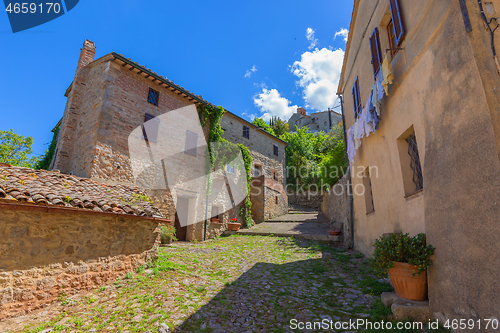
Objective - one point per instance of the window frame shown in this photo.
(153, 135)
(397, 20)
(375, 46)
(155, 93)
(392, 39)
(246, 132)
(276, 150)
(356, 98)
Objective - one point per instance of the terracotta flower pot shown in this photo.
(334, 232)
(215, 220)
(233, 226)
(405, 284)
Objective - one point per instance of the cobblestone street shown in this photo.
(231, 284)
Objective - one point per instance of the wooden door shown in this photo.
(182, 209)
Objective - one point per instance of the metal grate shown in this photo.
(153, 97)
(415, 162)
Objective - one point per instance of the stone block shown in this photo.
(415, 312)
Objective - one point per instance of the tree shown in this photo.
(314, 159)
(260, 123)
(279, 126)
(16, 149)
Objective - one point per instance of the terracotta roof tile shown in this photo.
(54, 188)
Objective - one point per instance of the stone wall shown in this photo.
(306, 199)
(44, 255)
(336, 207)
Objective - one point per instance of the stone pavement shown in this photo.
(307, 225)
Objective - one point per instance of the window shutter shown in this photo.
(150, 128)
(376, 52)
(356, 99)
(191, 143)
(275, 148)
(397, 21)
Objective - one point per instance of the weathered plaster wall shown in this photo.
(43, 255)
(446, 87)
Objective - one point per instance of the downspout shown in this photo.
(330, 118)
(351, 203)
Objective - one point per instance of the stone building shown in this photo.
(316, 122)
(61, 234)
(432, 164)
(111, 98)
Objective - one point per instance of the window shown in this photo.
(275, 175)
(392, 39)
(275, 150)
(150, 127)
(397, 21)
(246, 132)
(411, 169)
(230, 168)
(415, 166)
(314, 120)
(276, 199)
(191, 143)
(367, 183)
(215, 212)
(376, 52)
(153, 97)
(356, 99)
(256, 171)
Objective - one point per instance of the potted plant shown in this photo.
(167, 234)
(234, 225)
(406, 260)
(214, 220)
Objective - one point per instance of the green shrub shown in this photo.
(401, 248)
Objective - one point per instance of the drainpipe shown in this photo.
(330, 118)
(351, 203)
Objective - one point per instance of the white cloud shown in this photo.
(310, 38)
(251, 116)
(271, 103)
(250, 71)
(343, 33)
(319, 72)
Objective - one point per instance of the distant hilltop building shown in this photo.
(319, 121)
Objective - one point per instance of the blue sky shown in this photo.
(255, 58)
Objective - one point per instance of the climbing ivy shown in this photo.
(213, 114)
(44, 162)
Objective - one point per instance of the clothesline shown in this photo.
(368, 120)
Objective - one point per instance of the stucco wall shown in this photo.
(445, 87)
(44, 255)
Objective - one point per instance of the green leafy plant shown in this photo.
(167, 234)
(16, 149)
(213, 115)
(67, 199)
(401, 248)
(46, 160)
(128, 276)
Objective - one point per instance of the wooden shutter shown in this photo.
(191, 143)
(275, 148)
(376, 52)
(356, 99)
(150, 128)
(397, 21)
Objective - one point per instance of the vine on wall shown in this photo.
(213, 114)
(46, 160)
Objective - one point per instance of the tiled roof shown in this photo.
(23, 185)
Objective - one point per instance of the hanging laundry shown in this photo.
(387, 73)
(377, 97)
(351, 151)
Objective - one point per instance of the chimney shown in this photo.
(302, 111)
(87, 54)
